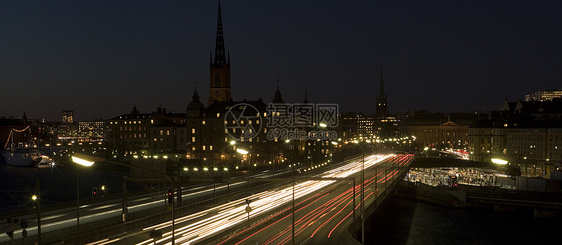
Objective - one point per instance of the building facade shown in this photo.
(522, 132)
(544, 95)
(438, 129)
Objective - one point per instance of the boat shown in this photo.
(20, 155)
(21, 158)
(46, 162)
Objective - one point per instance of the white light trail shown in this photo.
(195, 227)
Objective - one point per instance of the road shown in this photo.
(323, 208)
(325, 216)
(65, 217)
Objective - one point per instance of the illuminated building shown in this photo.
(147, 133)
(438, 129)
(529, 132)
(68, 116)
(544, 95)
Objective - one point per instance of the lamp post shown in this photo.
(37, 199)
(88, 161)
(85, 163)
(245, 152)
(362, 195)
(293, 202)
(360, 143)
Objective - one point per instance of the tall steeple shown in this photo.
(220, 52)
(219, 89)
(381, 107)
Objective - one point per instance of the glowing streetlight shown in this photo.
(82, 162)
(86, 160)
(499, 161)
(242, 151)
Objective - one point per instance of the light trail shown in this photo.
(201, 225)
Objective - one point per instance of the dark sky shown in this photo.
(99, 58)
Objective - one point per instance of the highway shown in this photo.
(323, 208)
(65, 217)
(325, 216)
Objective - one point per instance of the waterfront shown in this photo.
(404, 221)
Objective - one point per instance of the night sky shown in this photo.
(99, 58)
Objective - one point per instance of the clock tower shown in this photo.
(219, 89)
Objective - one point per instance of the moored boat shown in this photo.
(21, 159)
(20, 154)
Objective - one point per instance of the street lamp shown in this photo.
(85, 163)
(245, 152)
(242, 151)
(37, 201)
(86, 160)
(362, 191)
(293, 203)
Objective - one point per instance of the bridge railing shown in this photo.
(371, 204)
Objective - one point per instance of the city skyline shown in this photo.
(99, 59)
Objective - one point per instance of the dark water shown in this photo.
(57, 185)
(410, 222)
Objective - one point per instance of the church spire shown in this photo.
(382, 95)
(381, 107)
(219, 89)
(220, 54)
(277, 98)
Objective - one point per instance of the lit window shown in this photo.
(210, 147)
(204, 147)
(167, 132)
(218, 114)
(192, 139)
(193, 130)
(203, 122)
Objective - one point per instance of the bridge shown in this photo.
(326, 203)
